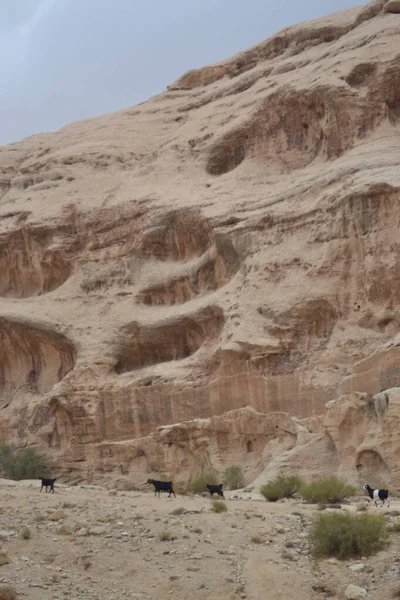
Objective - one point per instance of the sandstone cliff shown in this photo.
(230, 243)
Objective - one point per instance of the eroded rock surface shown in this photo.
(231, 242)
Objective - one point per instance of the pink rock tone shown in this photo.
(186, 284)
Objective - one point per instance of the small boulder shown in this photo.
(353, 592)
(97, 530)
(7, 592)
(64, 529)
(4, 560)
(357, 568)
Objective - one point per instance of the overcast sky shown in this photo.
(64, 60)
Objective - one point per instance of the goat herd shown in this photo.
(166, 486)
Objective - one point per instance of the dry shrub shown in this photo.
(25, 532)
(166, 536)
(283, 486)
(344, 536)
(23, 464)
(234, 478)
(218, 506)
(329, 490)
(198, 485)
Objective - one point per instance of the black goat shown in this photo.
(47, 482)
(215, 489)
(162, 486)
(375, 495)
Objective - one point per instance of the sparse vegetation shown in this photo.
(25, 532)
(329, 490)
(196, 530)
(198, 485)
(23, 464)
(343, 535)
(283, 486)
(86, 562)
(256, 539)
(166, 536)
(394, 527)
(179, 510)
(233, 478)
(218, 506)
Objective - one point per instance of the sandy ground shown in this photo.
(89, 544)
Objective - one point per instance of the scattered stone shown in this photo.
(7, 592)
(82, 532)
(5, 534)
(353, 592)
(97, 530)
(86, 562)
(357, 568)
(4, 560)
(322, 589)
(64, 529)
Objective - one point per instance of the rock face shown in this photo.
(356, 438)
(231, 243)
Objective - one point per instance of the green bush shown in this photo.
(330, 490)
(233, 478)
(198, 485)
(344, 536)
(24, 464)
(218, 506)
(283, 486)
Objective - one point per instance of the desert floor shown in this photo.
(90, 543)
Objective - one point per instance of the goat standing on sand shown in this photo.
(47, 482)
(375, 495)
(215, 489)
(162, 486)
